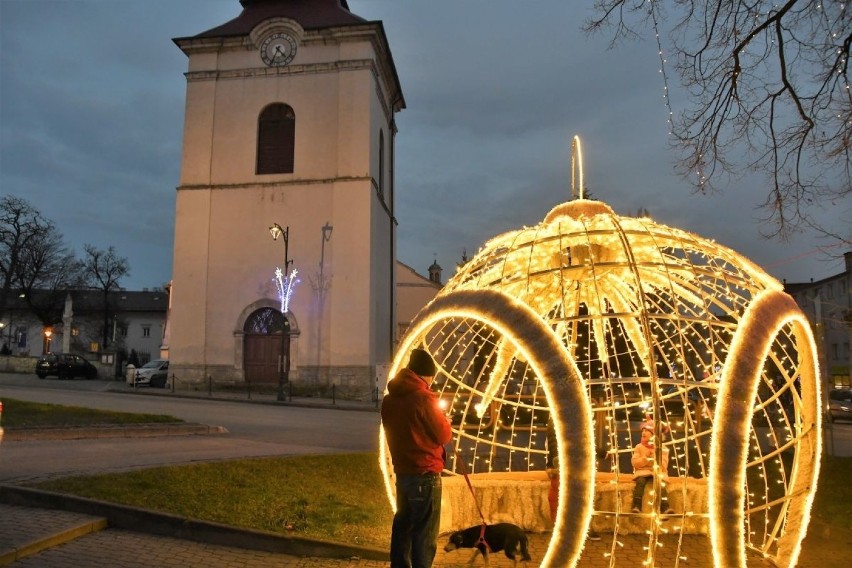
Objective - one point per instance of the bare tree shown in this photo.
(103, 270)
(47, 270)
(21, 226)
(768, 89)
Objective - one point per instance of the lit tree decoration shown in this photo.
(284, 285)
(598, 320)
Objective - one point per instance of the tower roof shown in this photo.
(311, 14)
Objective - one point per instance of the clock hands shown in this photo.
(279, 49)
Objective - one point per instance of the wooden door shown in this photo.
(261, 358)
(266, 347)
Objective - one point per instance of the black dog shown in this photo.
(503, 536)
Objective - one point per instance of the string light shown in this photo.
(595, 320)
(284, 285)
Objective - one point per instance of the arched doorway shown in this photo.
(266, 346)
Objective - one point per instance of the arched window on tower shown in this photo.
(276, 135)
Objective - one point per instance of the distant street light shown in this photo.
(48, 333)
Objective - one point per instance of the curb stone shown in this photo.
(113, 431)
(164, 524)
(7, 557)
(299, 402)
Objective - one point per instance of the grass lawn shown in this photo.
(20, 414)
(336, 497)
(833, 501)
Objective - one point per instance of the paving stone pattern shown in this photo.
(126, 549)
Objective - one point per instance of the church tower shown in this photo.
(289, 132)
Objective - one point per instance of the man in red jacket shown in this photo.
(416, 431)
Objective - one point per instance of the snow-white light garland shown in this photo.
(285, 285)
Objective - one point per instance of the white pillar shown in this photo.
(67, 320)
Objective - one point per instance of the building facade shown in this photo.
(413, 291)
(289, 126)
(828, 305)
(139, 320)
(135, 321)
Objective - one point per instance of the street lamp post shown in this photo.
(48, 333)
(283, 358)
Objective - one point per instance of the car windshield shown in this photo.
(152, 364)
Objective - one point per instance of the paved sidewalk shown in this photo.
(52, 539)
(61, 539)
(26, 531)
(56, 539)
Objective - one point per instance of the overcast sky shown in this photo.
(91, 116)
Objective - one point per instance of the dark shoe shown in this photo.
(669, 511)
(594, 536)
(635, 510)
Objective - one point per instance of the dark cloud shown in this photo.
(92, 102)
(92, 114)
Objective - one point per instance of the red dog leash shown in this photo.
(475, 502)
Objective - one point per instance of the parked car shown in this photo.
(65, 366)
(840, 404)
(153, 373)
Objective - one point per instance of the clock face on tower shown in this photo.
(278, 49)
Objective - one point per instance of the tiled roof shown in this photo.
(140, 301)
(793, 287)
(85, 301)
(311, 14)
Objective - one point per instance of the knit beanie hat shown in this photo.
(420, 363)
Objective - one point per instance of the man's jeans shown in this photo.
(415, 526)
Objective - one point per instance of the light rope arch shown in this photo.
(565, 392)
(768, 313)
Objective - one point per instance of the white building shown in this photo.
(828, 305)
(289, 120)
(413, 291)
(136, 321)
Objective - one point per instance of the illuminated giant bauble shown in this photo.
(601, 323)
